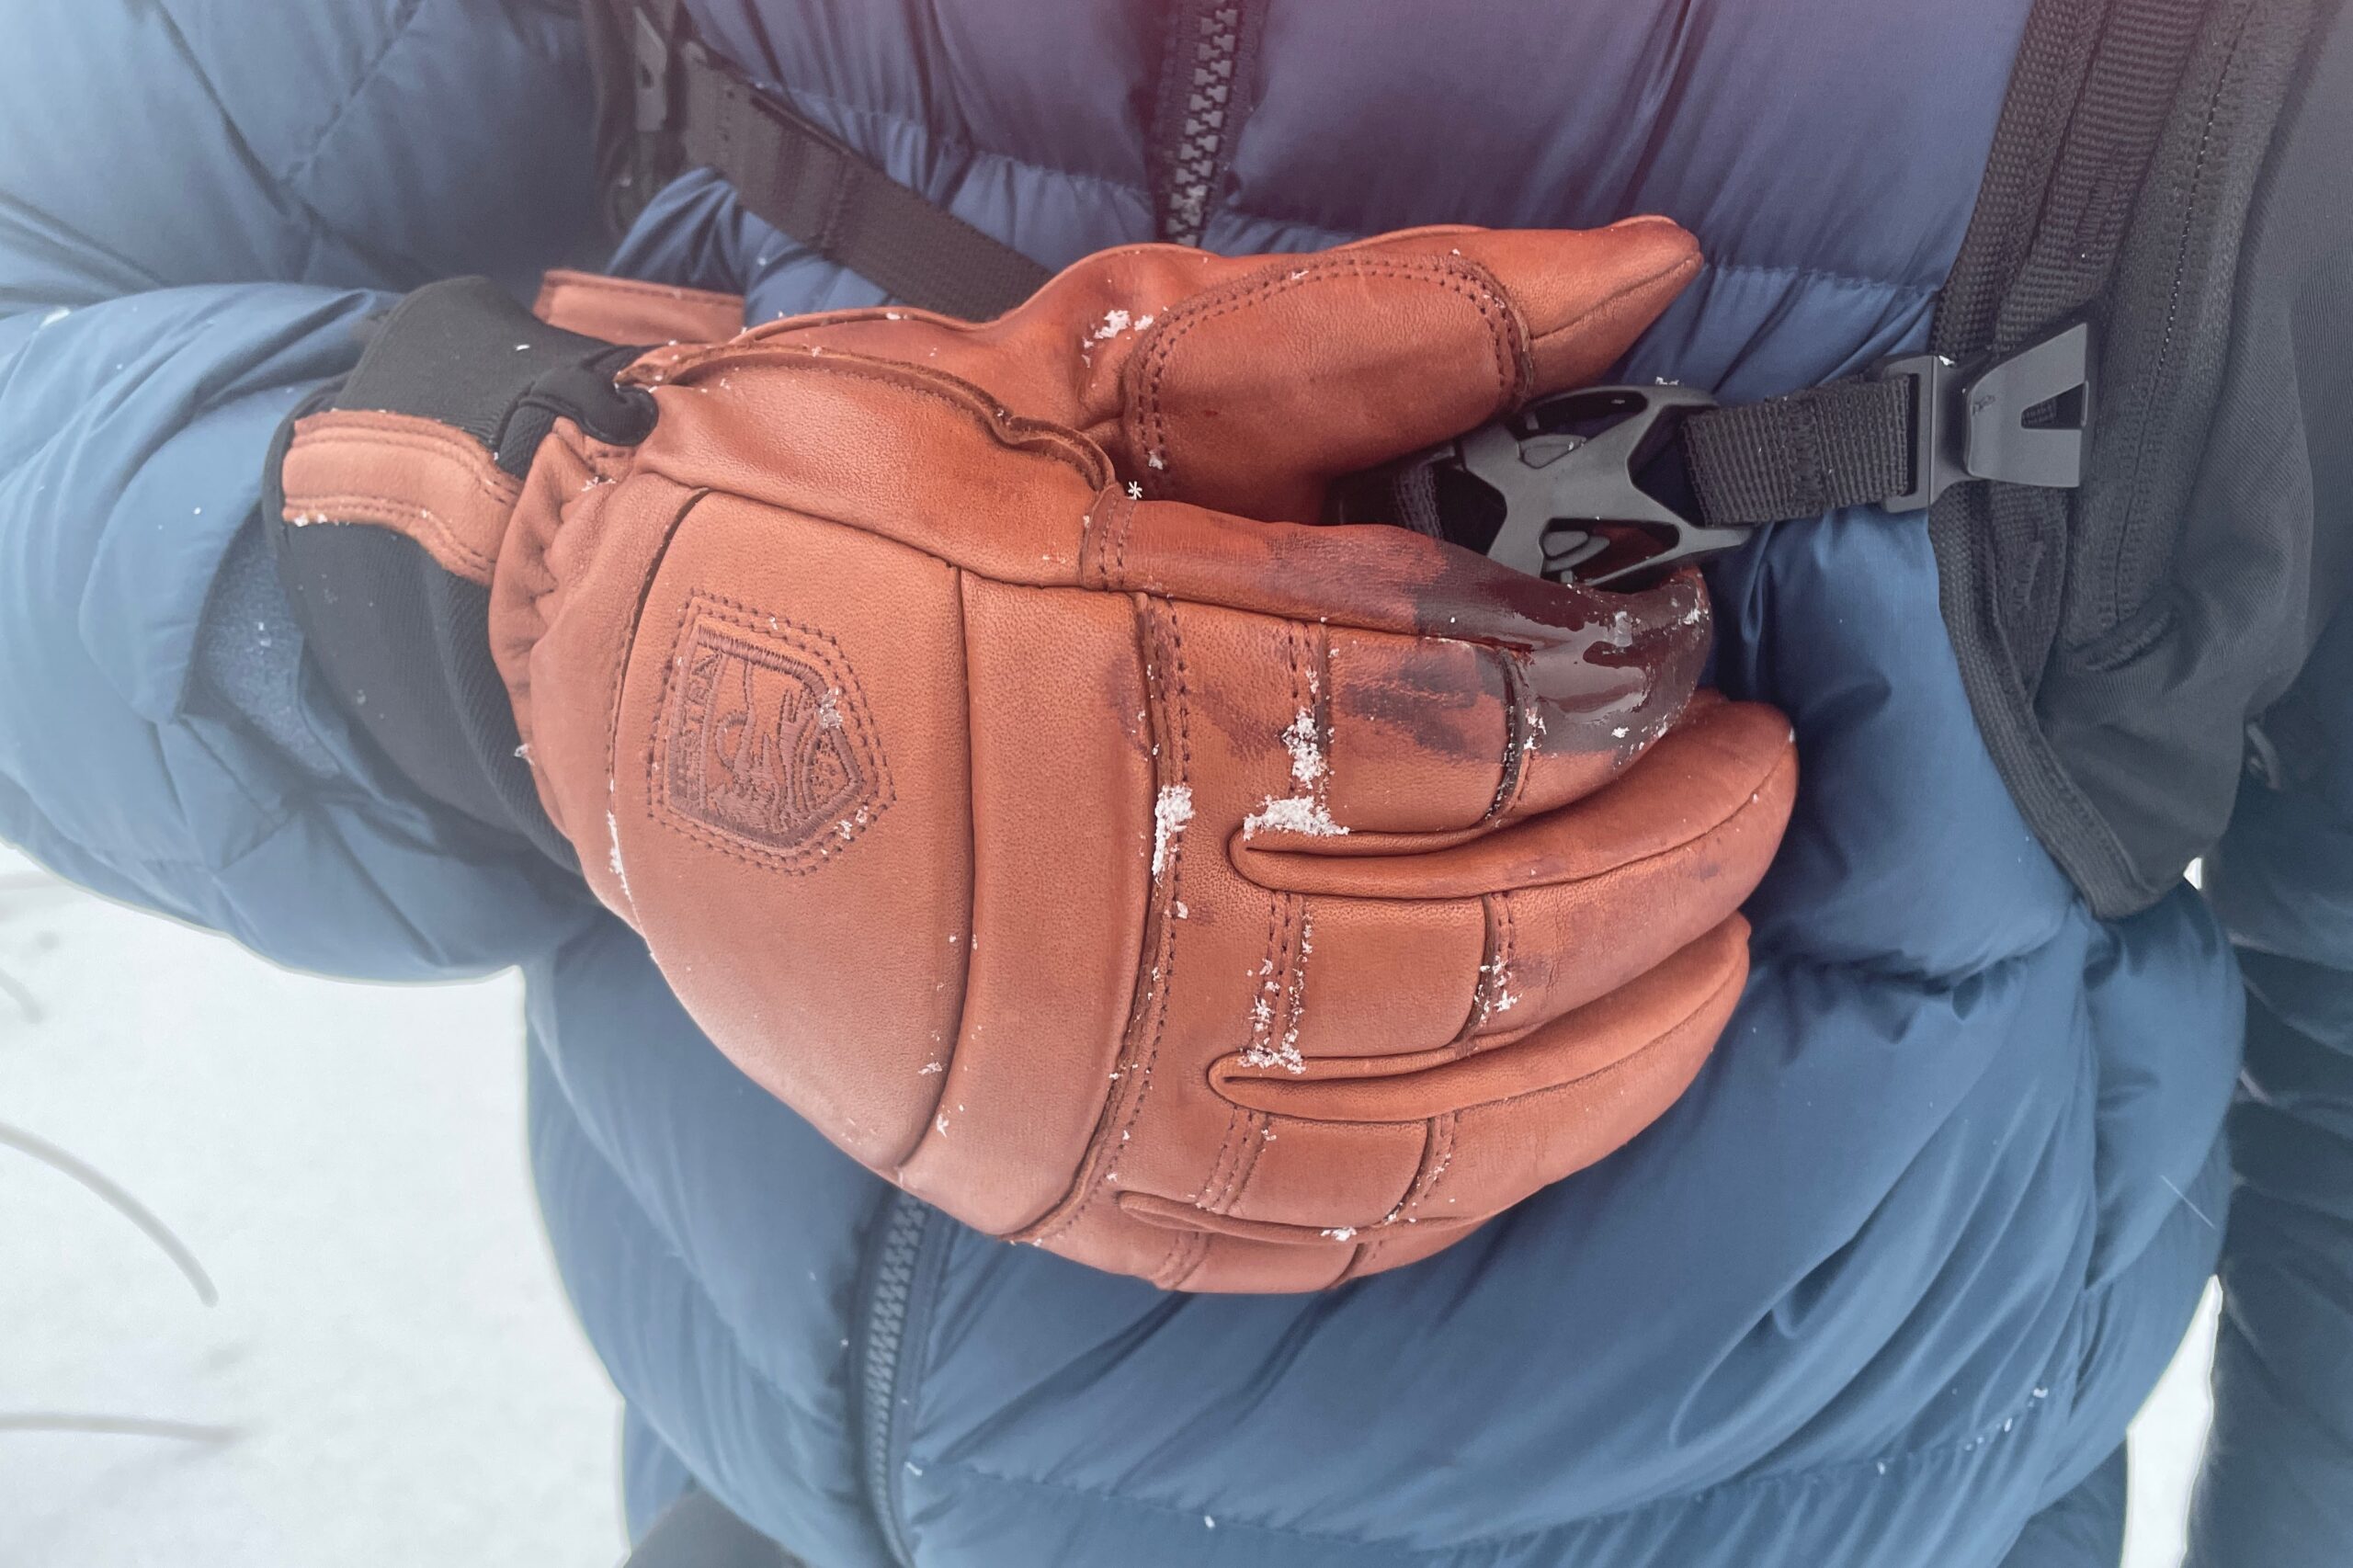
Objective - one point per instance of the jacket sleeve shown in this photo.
(2278, 1485)
(201, 204)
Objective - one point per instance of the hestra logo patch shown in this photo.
(765, 739)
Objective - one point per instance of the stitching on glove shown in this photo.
(364, 508)
(816, 850)
(1278, 981)
(319, 439)
(1520, 731)
(1164, 670)
(1034, 436)
(1442, 1134)
(1148, 426)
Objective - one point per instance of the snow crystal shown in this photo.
(1495, 990)
(1265, 1049)
(1284, 1055)
(1306, 749)
(1341, 1233)
(1117, 322)
(1300, 815)
(1135, 491)
(620, 873)
(1170, 813)
(829, 713)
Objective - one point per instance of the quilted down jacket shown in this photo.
(1883, 1289)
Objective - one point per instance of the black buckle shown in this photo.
(1979, 420)
(1564, 469)
(1568, 462)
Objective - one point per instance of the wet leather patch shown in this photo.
(765, 747)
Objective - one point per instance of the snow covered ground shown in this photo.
(397, 1376)
(390, 1376)
(2166, 1441)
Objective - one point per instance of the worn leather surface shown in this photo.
(424, 478)
(1003, 777)
(625, 310)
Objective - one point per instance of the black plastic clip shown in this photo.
(1568, 462)
(2019, 418)
(1576, 486)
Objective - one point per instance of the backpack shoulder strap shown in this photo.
(2097, 658)
(667, 104)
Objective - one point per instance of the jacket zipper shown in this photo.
(1200, 110)
(893, 1265)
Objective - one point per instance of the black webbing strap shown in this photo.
(692, 108)
(1845, 444)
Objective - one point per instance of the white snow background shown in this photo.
(390, 1376)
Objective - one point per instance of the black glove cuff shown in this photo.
(404, 644)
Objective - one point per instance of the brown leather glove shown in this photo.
(1240, 905)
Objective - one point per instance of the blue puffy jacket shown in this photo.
(1882, 1289)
